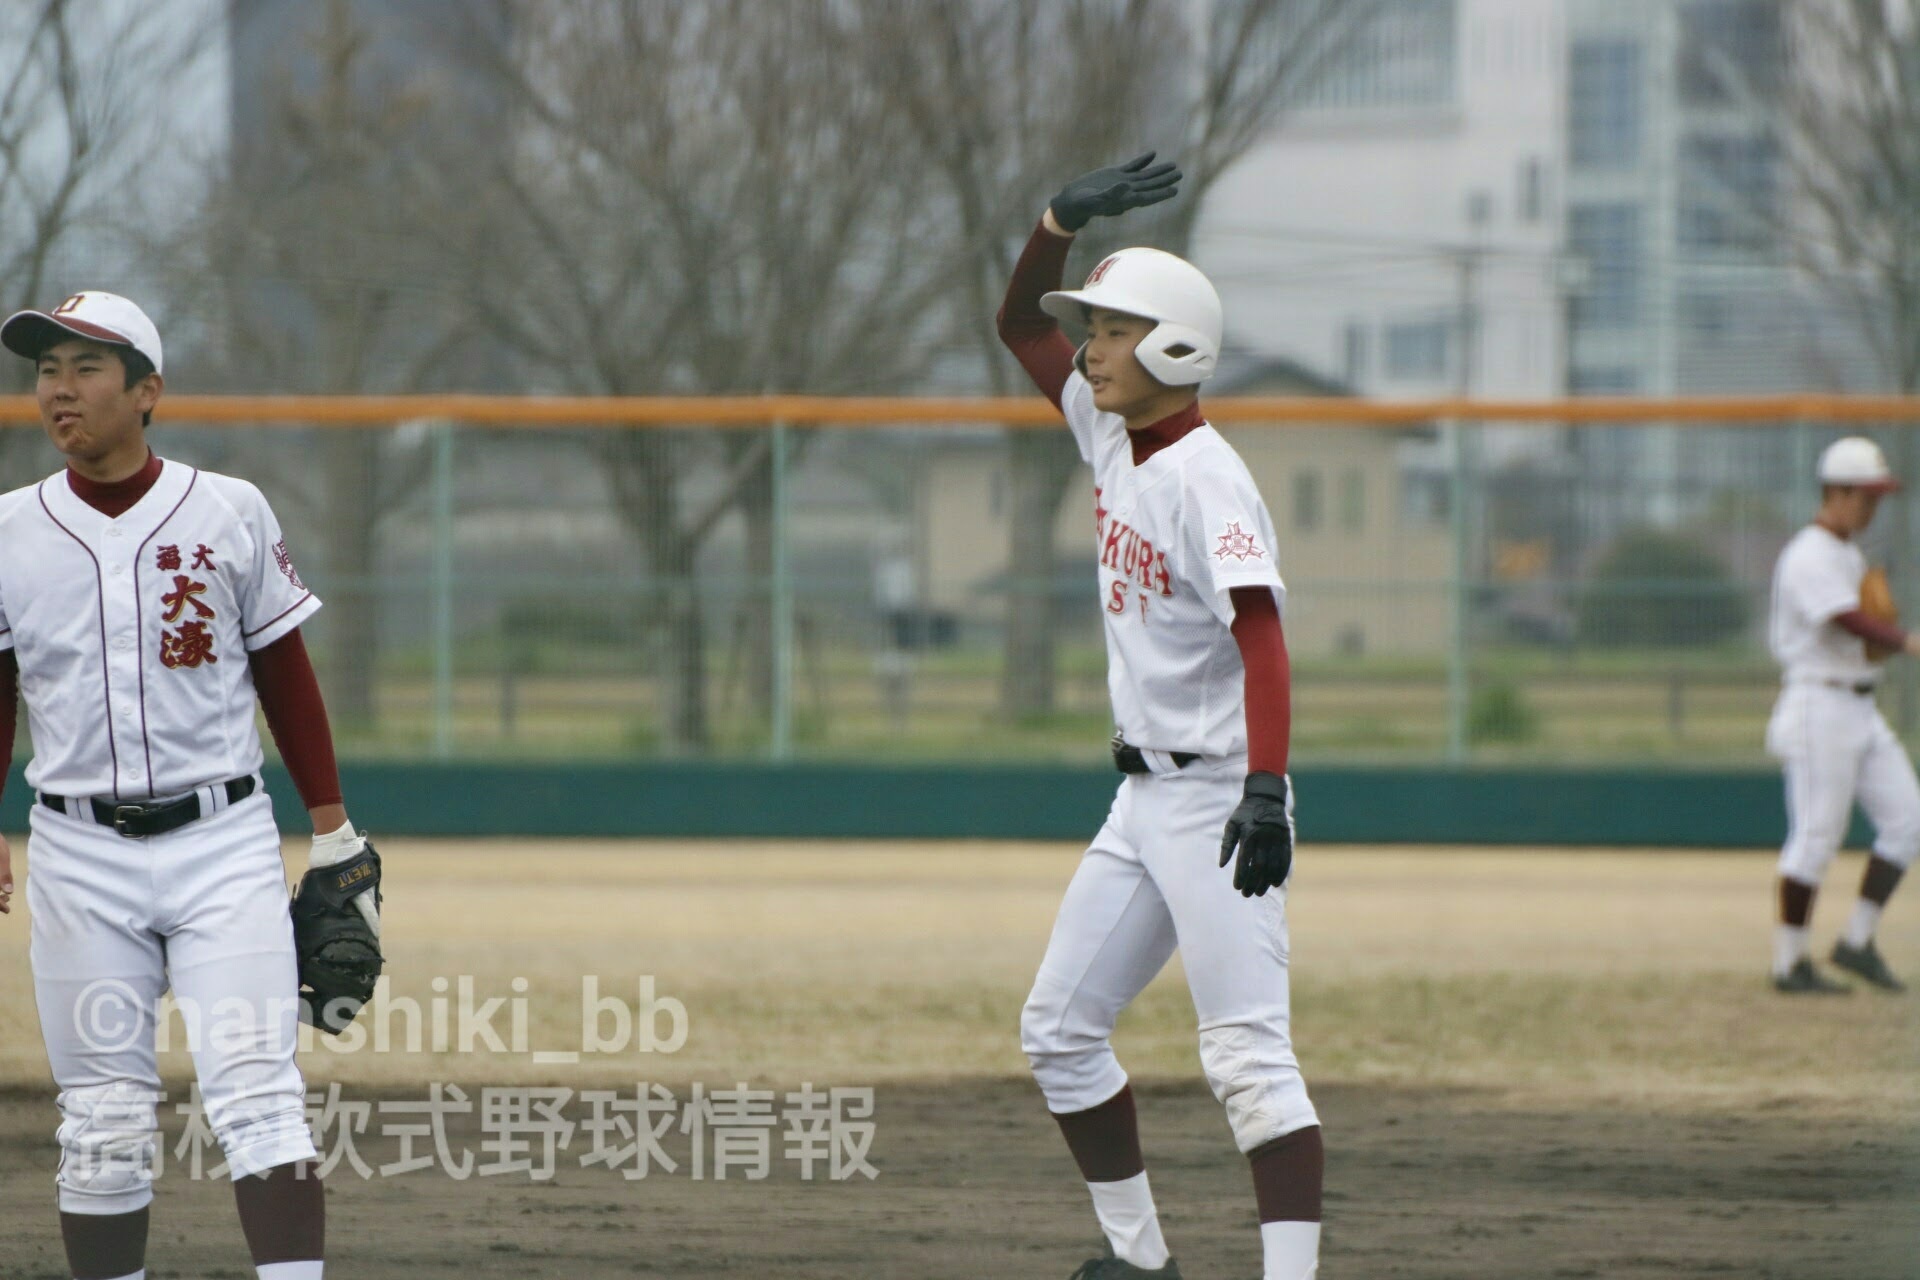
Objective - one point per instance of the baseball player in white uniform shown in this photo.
(1827, 731)
(1197, 670)
(144, 606)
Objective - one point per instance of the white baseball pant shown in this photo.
(1149, 882)
(1834, 745)
(115, 922)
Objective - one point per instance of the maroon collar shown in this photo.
(115, 499)
(1154, 437)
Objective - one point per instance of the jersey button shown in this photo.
(123, 644)
(113, 531)
(117, 570)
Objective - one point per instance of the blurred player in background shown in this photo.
(144, 607)
(1826, 729)
(1197, 670)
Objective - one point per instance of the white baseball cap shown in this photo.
(92, 314)
(1857, 462)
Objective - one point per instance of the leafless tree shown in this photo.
(703, 200)
(1841, 100)
(1849, 140)
(324, 259)
(78, 116)
(1009, 99)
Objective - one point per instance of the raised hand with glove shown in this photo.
(1105, 193)
(1261, 831)
(336, 928)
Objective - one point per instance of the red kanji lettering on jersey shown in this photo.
(203, 558)
(1099, 513)
(1110, 545)
(1237, 543)
(167, 557)
(190, 646)
(285, 561)
(185, 592)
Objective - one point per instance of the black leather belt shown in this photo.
(153, 817)
(1864, 688)
(1129, 759)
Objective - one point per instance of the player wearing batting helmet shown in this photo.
(1197, 671)
(145, 607)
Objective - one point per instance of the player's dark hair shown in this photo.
(137, 369)
(137, 365)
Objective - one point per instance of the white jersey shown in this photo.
(1175, 534)
(1816, 579)
(132, 634)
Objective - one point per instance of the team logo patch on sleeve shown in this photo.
(285, 561)
(1237, 543)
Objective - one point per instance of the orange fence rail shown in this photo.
(520, 412)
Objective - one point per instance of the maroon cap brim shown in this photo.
(28, 333)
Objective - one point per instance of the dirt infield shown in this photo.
(974, 1182)
(1529, 1065)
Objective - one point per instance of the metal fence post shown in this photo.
(441, 589)
(1458, 692)
(781, 612)
(1805, 486)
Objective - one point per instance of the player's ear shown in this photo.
(146, 392)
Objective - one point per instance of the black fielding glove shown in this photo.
(337, 945)
(1262, 828)
(1114, 190)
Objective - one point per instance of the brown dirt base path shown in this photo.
(974, 1183)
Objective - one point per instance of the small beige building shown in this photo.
(1363, 538)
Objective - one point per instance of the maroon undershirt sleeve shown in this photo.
(9, 710)
(290, 695)
(1263, 651)
(1031, 334)
(1872, 630)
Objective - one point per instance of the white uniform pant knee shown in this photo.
(1254, 1074)
(1113, 935)
(107, 1144)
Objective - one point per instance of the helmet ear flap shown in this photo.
(1177, 355)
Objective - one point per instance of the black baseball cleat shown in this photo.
(1805, 980)
(1865, 962)
(1108, 1267)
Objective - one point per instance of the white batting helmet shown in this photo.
(1184, 344)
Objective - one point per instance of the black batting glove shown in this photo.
(1106, 192)
(1262, 829)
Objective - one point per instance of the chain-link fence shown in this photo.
(1579, 593)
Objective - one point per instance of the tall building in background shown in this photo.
(1673, 191)
(1399, 230)
(1536, 198)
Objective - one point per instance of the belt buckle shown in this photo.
(124, 813)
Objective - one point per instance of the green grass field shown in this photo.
(1589, 710)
